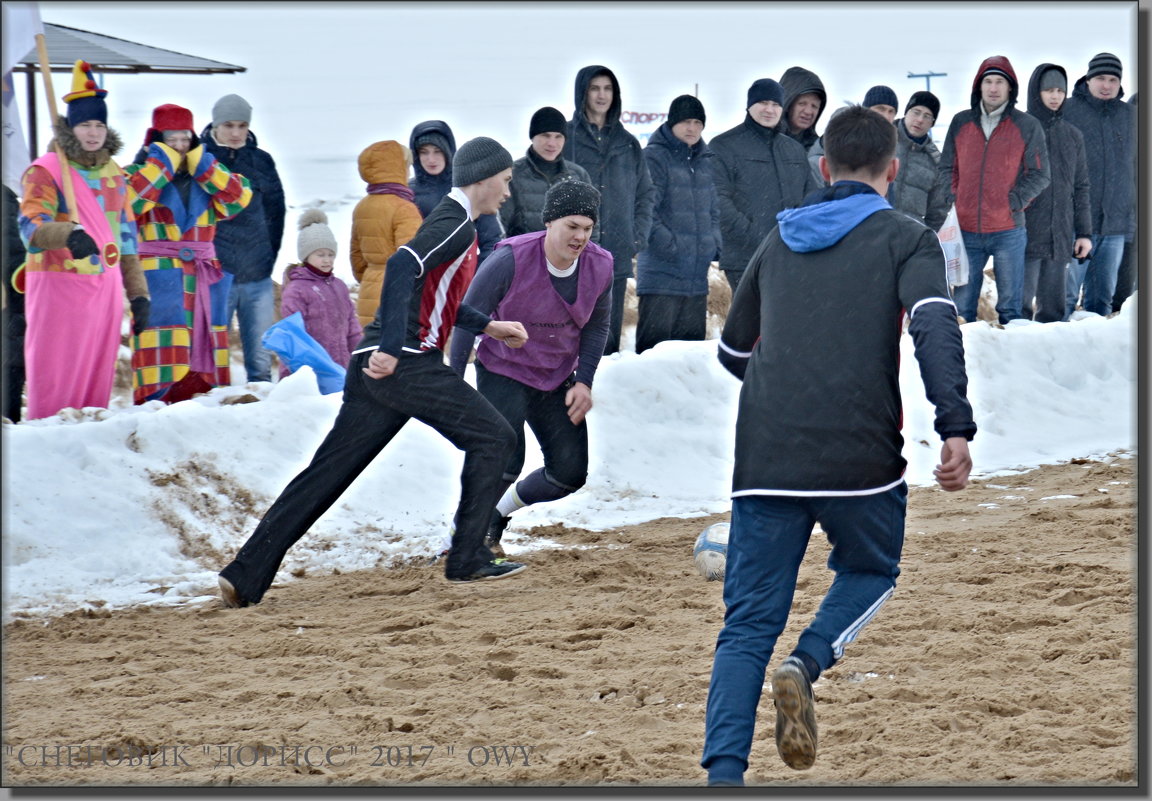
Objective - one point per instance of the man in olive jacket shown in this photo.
(615, 163)
(759, 172)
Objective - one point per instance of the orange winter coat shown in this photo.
(380, 223)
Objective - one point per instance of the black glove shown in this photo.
(141, 309)
(80, 244)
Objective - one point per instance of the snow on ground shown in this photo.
(136, 505)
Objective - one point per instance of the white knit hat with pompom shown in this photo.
(314, 234)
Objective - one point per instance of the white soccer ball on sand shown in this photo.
(710, 554)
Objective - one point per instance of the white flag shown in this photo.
(21, 24)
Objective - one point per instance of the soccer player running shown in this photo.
(814, 334)
(398, 373)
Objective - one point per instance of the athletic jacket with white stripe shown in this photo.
(814, 332)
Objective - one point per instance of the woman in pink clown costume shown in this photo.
(179, 192)
(75, 276)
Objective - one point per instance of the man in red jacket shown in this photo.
(995, 162)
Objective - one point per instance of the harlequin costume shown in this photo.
(185, 349)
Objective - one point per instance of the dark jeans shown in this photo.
(1125, 276)
(1045, 280)
(664, 317)
(372, 413)
(766, 544)
(13, 325)
(622, 271)
(564, 445)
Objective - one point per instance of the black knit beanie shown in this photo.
(925, 99)
(570, 197)
(478, 159)
(434, 138)
(880, 96)
(765, 89)
(685, 107)
(547, 120)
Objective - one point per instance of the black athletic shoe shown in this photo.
(795, 715)
(496, 569)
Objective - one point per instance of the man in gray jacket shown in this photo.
(917, 190)
(759, 173)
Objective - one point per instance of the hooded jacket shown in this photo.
(798, 81)
(380, 223)
(685, 234)
(431, 189)
(917, 189)
(759, 172)
(1063, 211)
(814, 332)
(325, 305)
(616, 166)
(248, 244)
(1109, 129)
(993, 179)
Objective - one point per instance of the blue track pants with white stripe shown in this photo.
(766, 544)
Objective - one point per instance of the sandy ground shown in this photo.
(1006, 658)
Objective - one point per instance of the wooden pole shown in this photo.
(50, 99)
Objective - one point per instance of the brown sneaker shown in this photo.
(795, 715)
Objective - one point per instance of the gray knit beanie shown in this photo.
(1053, 78)
(314, 234)
(231, 108)
(566, 198)
(478, 159)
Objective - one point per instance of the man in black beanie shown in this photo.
(672, 272)
(1108, 124)
(541, 167)
(917, 189)
(559, 285)
(759, 173)
(398, 373)
(882, 100)
(599, 143)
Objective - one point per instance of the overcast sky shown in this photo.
(328, 79)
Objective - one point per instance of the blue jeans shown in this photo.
(766, 544)
(1097, 276)
(1006, 249)
(253, 304)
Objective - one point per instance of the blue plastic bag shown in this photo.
(295, 346)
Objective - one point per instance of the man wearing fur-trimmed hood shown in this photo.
(74, 272)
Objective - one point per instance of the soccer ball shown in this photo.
(710, 554)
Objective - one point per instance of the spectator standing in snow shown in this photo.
(433, 147)
(598, 142)
(13, 312)
(382, 221)
(1108, 124)
(1059, 220)
(179, 193)
(917, 189)
(532, 175)
(398, 373)
(759, 172)
(559, 285)
(1126, 275)
(804, 456)
(321, 298)
(672, 272)
(75, 277)
(995, 162)
(804, 103)
(248, 243)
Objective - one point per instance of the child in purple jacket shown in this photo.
(321, 298)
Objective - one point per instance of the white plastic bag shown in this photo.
(955, 256)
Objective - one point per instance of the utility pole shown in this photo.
(927, 76)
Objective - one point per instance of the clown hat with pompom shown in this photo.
(86, 100)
